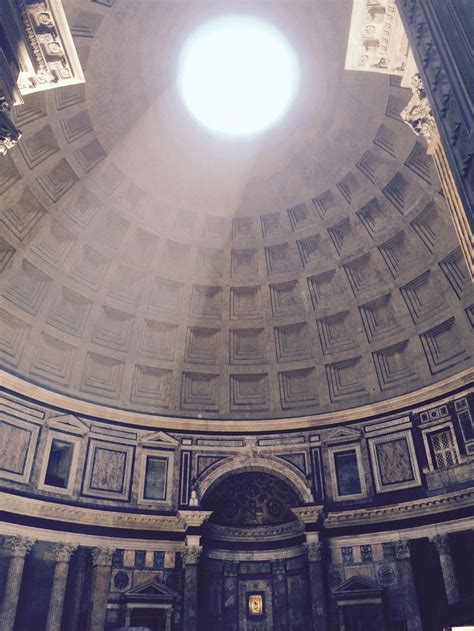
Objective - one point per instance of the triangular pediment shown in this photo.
(358, 586)
(343, 434)
(68, 423)
(159, 439)
(152, 589)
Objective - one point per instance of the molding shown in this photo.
(44, 27)
(386, 438)
(278, 532)
(144, 454)
(92, 517)
(76, 406)
(434, 426)
(425, 507)
(332, 451)
(255, 555)
(246, 461)
(75, 441)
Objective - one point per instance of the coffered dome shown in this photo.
(151, 265)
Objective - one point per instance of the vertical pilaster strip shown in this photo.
(18, 547)
(101, 572)
(443, 548)
(231, 614)
(410, 603)
(280, 596)
(62, 553)
(77, 588)
(191, 555)
(314, 548)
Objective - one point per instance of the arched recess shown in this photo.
(240, 464)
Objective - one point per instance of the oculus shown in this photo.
(237, 75)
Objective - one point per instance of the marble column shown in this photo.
(79, 568)
(101, 572)
(231, 614)
(443, 548)
(191, 555)
(316, 582)
(62, 554)
(280, 596)
(407, 581)
(18, 548)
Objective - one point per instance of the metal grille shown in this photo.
(444, 452)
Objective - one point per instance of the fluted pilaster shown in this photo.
(62, 553)
(18, 548)
(442, 544)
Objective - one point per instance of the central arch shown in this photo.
(241, 463)
(253, 571)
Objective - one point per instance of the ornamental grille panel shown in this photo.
(443, 449)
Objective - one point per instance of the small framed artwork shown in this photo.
(255, 605)
(394, 462)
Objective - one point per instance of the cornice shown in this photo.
(258, 533)
(88, 517)
(76, 406)
(408, 510)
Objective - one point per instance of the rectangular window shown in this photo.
(155, 478)
(467, 426)
(59, 463)
(347, 473)
(443, 450)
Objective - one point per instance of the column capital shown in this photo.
(231, 568)
(191, 554)
(315, 550)
(18, 546)
(278, 566)
(442, 543)
(63, 551)
(102, 556)
(402, 549)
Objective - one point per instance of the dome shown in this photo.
(153, 266)
(236, 368)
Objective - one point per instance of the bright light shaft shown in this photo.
(238, 75)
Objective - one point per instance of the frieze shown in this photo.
(377, 39)
(49, 58)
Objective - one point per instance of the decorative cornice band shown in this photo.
(76, 406)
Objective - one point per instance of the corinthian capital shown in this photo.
(442, 544)
(63, 552)
(314, 550)
(18, 546)
(191, 555)
(402, 549)
(102, 556)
